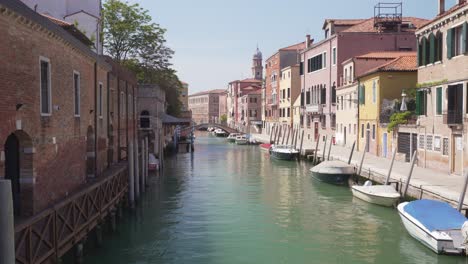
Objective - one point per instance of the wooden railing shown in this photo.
(50, 234)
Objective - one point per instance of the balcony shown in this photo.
(453, 117)
(317, 108)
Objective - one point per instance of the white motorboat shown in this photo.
(334, 172)
(283, 152)
(384, 195)
(435, 224)
(210, 129)
(232, 137)
(242, 140)
(220, 133)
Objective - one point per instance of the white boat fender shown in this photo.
(368, 183)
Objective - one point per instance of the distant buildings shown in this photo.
(205, 106)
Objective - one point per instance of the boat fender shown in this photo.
(368, 183)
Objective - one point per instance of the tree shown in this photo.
(223, 119)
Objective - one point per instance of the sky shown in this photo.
(214, 40)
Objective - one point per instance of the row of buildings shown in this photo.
(69, 114)
(386, 82)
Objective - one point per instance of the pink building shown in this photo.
(235, 90)
(320, 67)
(250, 109)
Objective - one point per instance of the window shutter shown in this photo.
(419, 54)
(432, 48)
(449, 43)
(439, 101)
(418, 103)
(424, 48)
(464, 29)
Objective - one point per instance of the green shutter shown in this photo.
(449, 43)
(432, 48)
(418, 103)
(424, 48)
(419, 54)
(439, 101)
(464, 29)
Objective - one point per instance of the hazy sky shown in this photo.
(214, 40)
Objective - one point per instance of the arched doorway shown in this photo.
(12, 170)
(90, 153)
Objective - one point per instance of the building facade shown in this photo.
(205, 106)
(290, 89)
(250, 110)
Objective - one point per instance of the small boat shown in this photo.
(384, 195)
(210, 129)
(265, 147)
(242, 140)
(435, 224)
(333, 172)
(220, 133)
(283, 152)
(232, 137)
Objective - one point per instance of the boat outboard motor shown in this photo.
(368, 183)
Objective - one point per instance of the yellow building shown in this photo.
(378, 88)
(290, 89)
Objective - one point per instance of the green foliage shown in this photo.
(398, 119)
(430, 84)
(223, 118)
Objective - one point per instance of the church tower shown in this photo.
(257, 67)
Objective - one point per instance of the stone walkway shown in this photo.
(425, 183)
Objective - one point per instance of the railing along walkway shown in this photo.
(51, 233)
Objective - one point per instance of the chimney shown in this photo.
(441, 6)
(307, 41)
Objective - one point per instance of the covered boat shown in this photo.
(333, 172)
(384, 195)
(435, 224)
(283, 152)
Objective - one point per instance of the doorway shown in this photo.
(457, 150)
(12, 170)
(316, 131)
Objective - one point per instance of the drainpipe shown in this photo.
(95, 117)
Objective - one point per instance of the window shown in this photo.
(445, 147)
(437, 143)
(373, 132)
(46, 106)
(334, 55)
(421, 140)
(289, 112)
(325, 59)
(362, 94)
(421, 102)
(439, 101)
(456, 40)
(354, 129)
(374, 91)
(429, 142)
(76, 93)
(362, 130)
(301, 68)
(308, 97)
(289, 93)
(100, 100)
(323, 95)
(315, 63)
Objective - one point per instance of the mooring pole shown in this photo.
(131, 177)
(302, 141)
(362, 160)
(316, 149)
(7, 228)
(329, 148)
(271, 134)
(324, 147)
(391, 167)
(287, 139)
(283, 136)
(279, 135)
(462, 194)
(413, 161)
(147, 161)
(136, 170)
(351, 154)
(297, 135)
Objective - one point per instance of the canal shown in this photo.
(232, 204)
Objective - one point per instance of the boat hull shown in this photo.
(283, 156)
(265, 147)
(232, 140)
(374, 199)
(417, 231)
(336, 179)
(241, 142)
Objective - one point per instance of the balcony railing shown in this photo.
(453, 117)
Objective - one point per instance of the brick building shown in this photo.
(64, 112)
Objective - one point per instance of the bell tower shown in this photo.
(257, 67)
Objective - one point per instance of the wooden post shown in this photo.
(362, 160)
(131, 178)
(271, 134)
(278, 134)
(302, 141)
(7, 229)
(413, 161)
(329, 148)
(391, 167)
(283, 136)
(295, 138)
(287, 139)
(324, 147)
(462, 194)
(351, 154)
(316, 149)
(137, 175)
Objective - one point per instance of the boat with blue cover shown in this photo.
(436, 224)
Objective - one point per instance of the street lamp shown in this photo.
(403, 107)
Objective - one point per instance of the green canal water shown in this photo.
(232, 204)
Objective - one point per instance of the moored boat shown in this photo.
(220, 133)
(333, 172)
(242, 140)
(283, 152)
(232, 137)
(384, 195)
(435, 224)
(265, 147)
